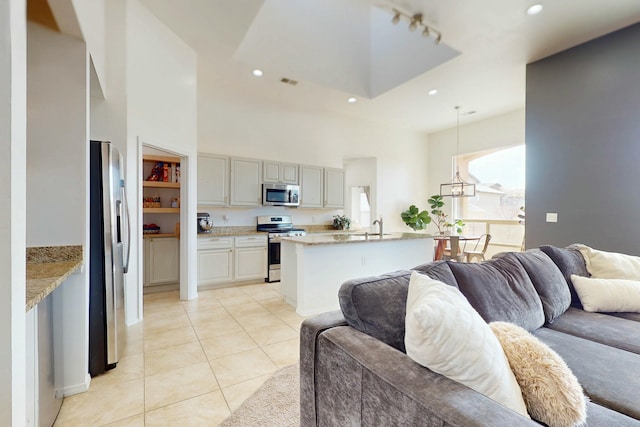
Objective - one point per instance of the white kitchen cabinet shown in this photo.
(162, 261)
(333, 188)
(246, 182)
(215, 260)
(213, 180)
(284, 173)
(250, 258)
(311, 178)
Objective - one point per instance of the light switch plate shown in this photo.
(552, 217)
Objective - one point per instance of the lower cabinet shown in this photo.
(162, 261)
(251, 263)
(229, 259)
(214, 266)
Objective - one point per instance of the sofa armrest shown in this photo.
(309, 331)
(359, 380)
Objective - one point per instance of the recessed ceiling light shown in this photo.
(257, 73)
(351, 100)
(535, 9)
(433, 91)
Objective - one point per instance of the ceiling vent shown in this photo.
(289, 81)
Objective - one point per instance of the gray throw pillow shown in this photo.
(548, 281)
(500, 290)
(569, 261)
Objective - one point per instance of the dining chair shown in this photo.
(482, 242)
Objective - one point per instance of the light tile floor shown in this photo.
(190, 363)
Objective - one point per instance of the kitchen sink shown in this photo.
(370, 234)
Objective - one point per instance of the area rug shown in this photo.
(275, 403)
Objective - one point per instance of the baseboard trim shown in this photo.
(74, 389)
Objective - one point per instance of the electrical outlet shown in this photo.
(552, 217)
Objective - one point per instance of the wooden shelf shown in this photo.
(148, 236)
(160, 184)
(161, 210)
(152, 158)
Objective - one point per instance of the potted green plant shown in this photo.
(341, 222)
(416, 219)
(439, 217)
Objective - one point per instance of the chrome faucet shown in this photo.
(379, 222)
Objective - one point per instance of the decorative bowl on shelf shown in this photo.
(150, 229)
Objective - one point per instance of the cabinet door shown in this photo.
(251, 263)
(214, 266)
(246, 176)
(310, 187)
(164, 261)
(213, 180)
(334, 188)
(289, 173)
(271, 172)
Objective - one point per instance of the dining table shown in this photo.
(454, 243)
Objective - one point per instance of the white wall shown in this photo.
(57, 176)
(506, 130)
(91, 18)
(240, 124)
(12, 211)
(151, 99)
(162, 112)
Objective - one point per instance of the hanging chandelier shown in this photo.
(457, 187)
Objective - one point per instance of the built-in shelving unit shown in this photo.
(161, 180)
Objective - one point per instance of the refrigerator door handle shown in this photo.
(125, 266)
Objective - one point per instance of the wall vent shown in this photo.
(289, 81)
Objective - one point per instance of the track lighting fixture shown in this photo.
(415, 22)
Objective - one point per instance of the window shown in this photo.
(499, 176)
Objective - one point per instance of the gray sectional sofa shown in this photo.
(354, 370)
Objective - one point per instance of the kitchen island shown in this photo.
(314, 267)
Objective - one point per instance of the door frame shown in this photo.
(188, 203)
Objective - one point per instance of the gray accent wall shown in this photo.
(583, 145)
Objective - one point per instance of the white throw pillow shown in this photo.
(445, 334)
(607, 295)
(610, 265)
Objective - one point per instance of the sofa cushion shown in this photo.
(551, 392)
(500, 290)
(603, 328)
(607, 375)
(610, 265)
(445, 334)
(607, 295)
(569, 261)
(438, 270)
(377, 305)
(548, 281)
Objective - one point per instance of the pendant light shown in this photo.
(457, 187)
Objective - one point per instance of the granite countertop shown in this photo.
(251, 230)
(47, 268)
(359, 237)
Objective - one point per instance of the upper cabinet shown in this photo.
(213, 180)
(333, 188)
(311, 187)
(285, 173)
(246, 182)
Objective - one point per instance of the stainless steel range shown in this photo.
(277, 227)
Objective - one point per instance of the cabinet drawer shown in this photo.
(215, 242)
(251, 241)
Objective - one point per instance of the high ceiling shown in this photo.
(336, 49)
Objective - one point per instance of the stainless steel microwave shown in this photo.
(280, 195)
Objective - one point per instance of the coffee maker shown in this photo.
(205, 224)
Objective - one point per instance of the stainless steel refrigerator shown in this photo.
(110, 237)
